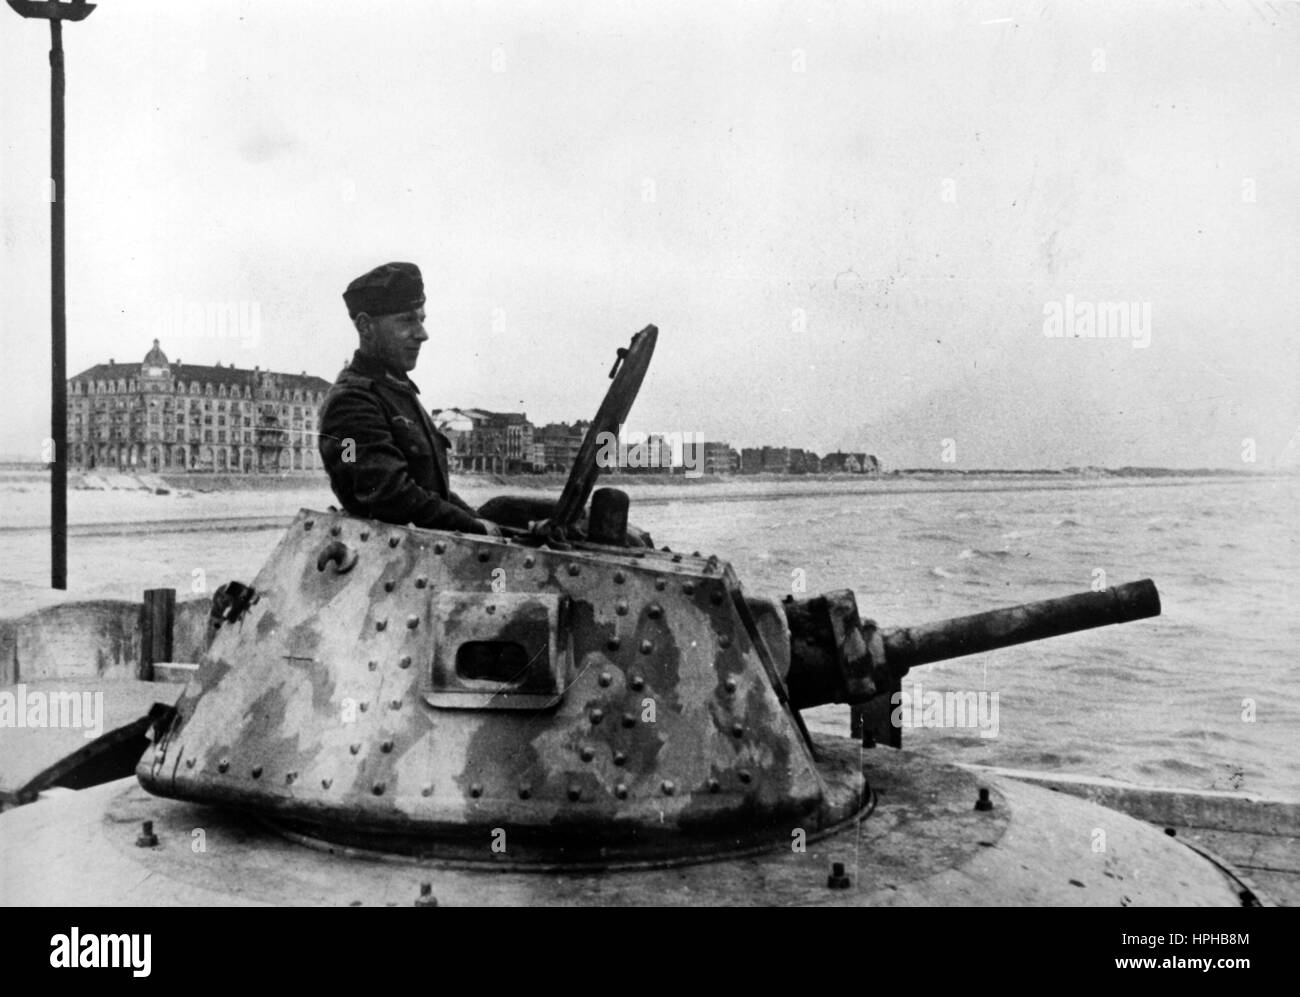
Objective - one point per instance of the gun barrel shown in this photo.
(906, 647)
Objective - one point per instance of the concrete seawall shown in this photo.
(98, 638)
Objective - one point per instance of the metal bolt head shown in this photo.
(389, 586)
(688, 588)
(597, 715)
(525, 792)
(146, 838)
(421, 582)
(729, 685)
(660, 584)
(257, 772)
(629, 720)
(223, 765)
(393, 541)
(714, 785)
(378, 789)
(365, 534)
(605, 680)
(613, 643)
(647, 646)
(621, 791)
(837, 880)
(412, 622)
(476, 790)
(484, 555)
(984, 803)
(737, 730)
(620, 758)
(620, 608)
(724, 641)
(586, 753)
(529, 561)
(381, 624)
(668, 787)
(636, 682)
(575, 794)
(573, 570)
(619, 577)
(654, 611)
(405, 661)
(426, 897)
(439, 547)
(386, 747)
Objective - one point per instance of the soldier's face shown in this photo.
(393, 339)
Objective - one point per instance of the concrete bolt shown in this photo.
(426, 897)
(837, 880)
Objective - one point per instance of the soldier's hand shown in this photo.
(490, 528)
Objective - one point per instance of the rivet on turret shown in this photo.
(386, 747)
(716, 597)
(605, 679)
(381, 624)
(378, 789)
(660, 584)
(289, 777)
(372, 665)
(363, 706)
(308, 525)
(573, 570)
(636, 682)
(586, 753)
(597, 715)
(396, 704)
(223, 765)
(575, 794)
(724, 640)
(421, 582)
(647, 646)
(394, 541)
(620, 758)
(412, 622)
(354, 748)
(619, 577)
(984, 803)
(729, 685)
(654, 611)
(744, 776)
(714, 786)
(613, 643)
(426, 791)
(484, 556)
(668, 787)
(629, 719)
(620, 608)
(688, 588)
(326, 783)
(677, 559)
(525, 791)
(620, 791)
(335, 530)
(695, 554)
(737, 730)
(189, 763)
(490, 608)
(405, 662)
(364, 534)
(476, 790)
(529, 561)
(257, 771)
(389, 586)
(439, 547)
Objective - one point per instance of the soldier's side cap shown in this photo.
(386, 290)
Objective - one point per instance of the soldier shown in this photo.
(385, 458)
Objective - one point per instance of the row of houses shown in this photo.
(165, 415)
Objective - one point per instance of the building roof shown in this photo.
(216, 375)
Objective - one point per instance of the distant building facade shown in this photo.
(499, 442)
(162, 416)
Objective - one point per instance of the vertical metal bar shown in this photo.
(58, 318)
(158, 617)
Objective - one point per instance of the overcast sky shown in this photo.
(850, 223)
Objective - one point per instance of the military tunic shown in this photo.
(385, 458)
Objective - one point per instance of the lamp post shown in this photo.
(56, 13)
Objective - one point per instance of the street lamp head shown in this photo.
(53, 10)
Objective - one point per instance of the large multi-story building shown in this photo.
(162, 416)
(501, 442)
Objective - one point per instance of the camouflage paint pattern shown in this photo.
(649, 720)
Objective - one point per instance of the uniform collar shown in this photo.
(367, 366)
